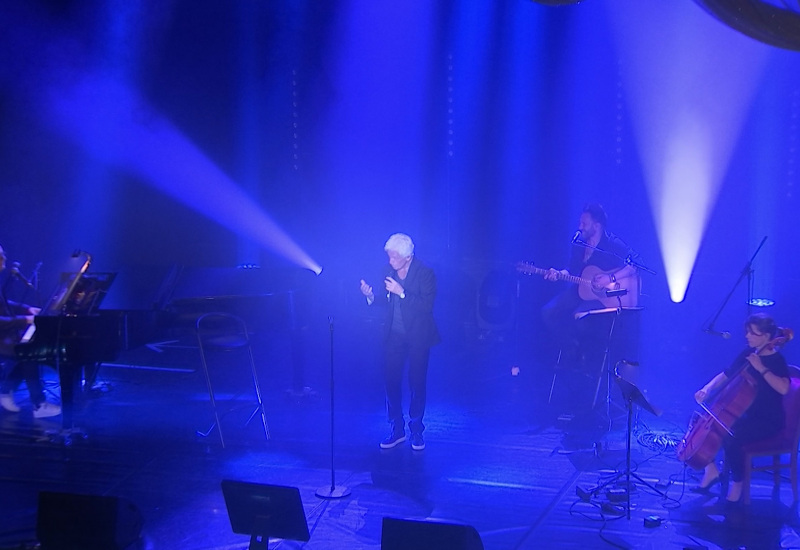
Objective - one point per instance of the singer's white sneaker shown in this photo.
(8, 403)
(46, 410)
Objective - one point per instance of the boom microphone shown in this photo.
(576, 237)
(14, 270)
(724, 334)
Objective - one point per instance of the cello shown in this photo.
(708, 429)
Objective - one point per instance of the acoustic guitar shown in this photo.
(587, 290)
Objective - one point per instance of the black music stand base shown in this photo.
(331, 492)
(258, 542)
(631, 394)
(66, 436)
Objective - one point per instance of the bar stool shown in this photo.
(225, 333)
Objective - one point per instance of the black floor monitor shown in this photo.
(264, 511)
(409, 534)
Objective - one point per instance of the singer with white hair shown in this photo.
(14, 319)
(408, 293)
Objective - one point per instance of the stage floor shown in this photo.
(498, 457)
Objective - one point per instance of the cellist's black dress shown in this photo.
(764, 418)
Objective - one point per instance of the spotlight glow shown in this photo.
(683, 192)
(107, 118)
(111, 122)
(690, 82)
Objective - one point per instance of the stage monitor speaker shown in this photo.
(265, 511)
(497, 301)
(67, 521)
(406, 534)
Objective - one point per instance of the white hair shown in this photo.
(400, 243)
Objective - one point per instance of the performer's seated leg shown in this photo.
(560, 327)
(13, 374)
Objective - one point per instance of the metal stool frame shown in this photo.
(227, 341)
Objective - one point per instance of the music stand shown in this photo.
(264, 511)
(88, 292)
(632, 395)
(71, 272)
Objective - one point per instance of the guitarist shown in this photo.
(593, 246)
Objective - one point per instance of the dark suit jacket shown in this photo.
(417, 307)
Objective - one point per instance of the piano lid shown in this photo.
(264, 297)
(195, 283)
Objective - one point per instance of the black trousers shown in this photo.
(745, 430)
(400, 351)
(12, 373)
(558, 316)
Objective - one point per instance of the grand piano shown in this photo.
(73, 335)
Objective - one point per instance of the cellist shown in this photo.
(764, 418)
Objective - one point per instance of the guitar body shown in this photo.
(588, 291)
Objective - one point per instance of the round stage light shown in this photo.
(778, 25)
(556, 2)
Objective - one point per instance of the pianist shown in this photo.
(14, 319)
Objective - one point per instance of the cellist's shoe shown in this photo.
(705, 489)
(734, 492)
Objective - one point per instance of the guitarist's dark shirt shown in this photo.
(610, 254)
(767, 407)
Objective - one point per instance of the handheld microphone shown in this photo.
(14, 270)
(393, 274)
(577, 236)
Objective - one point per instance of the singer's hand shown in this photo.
(601, 280)
(366, 289)
(393, 286)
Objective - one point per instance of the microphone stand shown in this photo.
(747, 271)
(332, 491)
(627, 260)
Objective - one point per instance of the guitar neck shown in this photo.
(533, 270)
(574, 279)
(588, 287)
